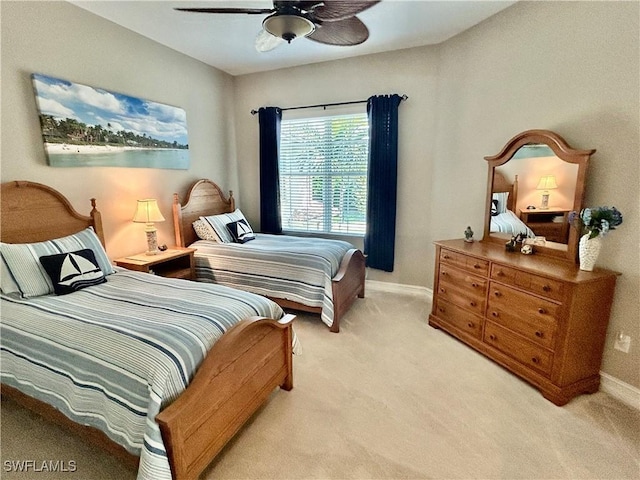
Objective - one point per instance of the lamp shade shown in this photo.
(288, 27)
(148, 212)
(547, 182)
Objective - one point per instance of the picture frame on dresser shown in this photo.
(539, 316)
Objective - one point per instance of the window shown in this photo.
(323, 174)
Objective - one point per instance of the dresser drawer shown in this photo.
(546, 287)
(460, 260)
(459, 318)
(518, 348)
(462, 288)
(532, 317)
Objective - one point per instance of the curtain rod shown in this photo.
(325, 105)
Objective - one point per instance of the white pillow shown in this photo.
(23, 259)
(219, 224)
(7, 284)
(204, 231)
(502, 198)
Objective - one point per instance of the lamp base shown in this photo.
(545, 201)
(152, 242)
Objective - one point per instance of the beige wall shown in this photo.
(571, 67)
(64, 41)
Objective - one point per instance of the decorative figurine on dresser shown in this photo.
(539, 316)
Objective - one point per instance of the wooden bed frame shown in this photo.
(500, 185)
(235, 379)
(206, 198)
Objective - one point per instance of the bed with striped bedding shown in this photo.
(114, 355)
(278, 266)
(508, 222)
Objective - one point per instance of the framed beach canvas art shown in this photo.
(85, 126)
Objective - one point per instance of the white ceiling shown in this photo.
(226, 41)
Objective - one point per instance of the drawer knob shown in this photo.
(446, 257)
(442, 290)
(470, 324)
(495, 314)
(546, 288)
(444, 273)
(535, 360)
(476, 265)
(542, 311)
(500, 273)
(441, 309)
(473, 304)
(474, 284)
(492, 337)
(497, 293)
(539, 334)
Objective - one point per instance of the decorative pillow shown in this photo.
(27, 271)
(219, 224)
(494, 207)
(240, 231)
(501, 197)
(204, 231)
(72, 271)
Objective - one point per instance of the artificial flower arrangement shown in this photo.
(596, 221)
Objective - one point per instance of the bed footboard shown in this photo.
(347, 285)
(238, 375)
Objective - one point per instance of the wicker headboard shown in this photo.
(500, 184)
(32, 212)
(203, 199)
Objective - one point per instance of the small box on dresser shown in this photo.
(541, 318)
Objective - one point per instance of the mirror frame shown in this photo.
(563, 151)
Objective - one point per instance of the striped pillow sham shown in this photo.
(23, 259)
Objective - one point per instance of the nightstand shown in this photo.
(176, 262)
(551, 223)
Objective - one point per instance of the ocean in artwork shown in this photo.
(74, 156)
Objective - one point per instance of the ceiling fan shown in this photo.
(332, 22)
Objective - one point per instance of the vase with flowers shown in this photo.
(594, 224)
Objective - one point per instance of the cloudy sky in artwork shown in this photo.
(95, 106)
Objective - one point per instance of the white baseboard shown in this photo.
(399, 288)
(627, 394)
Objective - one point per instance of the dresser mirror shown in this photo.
(533, 184)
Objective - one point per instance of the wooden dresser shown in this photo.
(541, 318)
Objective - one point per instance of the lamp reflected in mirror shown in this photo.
(546, 183)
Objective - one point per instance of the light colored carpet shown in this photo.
(387, 398)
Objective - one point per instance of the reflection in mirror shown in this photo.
(534, 182)
(543, 195)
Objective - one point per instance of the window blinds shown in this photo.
(323, 174)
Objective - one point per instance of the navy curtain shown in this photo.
(380, 238)
(269, 118)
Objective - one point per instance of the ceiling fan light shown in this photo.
(287, 26)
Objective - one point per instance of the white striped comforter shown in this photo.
(113, 355)
(508, 222)
(279, 266)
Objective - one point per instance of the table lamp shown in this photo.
(546, 183)
(148, 212)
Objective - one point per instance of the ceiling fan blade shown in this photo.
(250, 11)
(350, 31)
(265, 42)
(336, 10)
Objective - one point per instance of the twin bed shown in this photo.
(165, 378)
(503, 218)
(308, 274)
